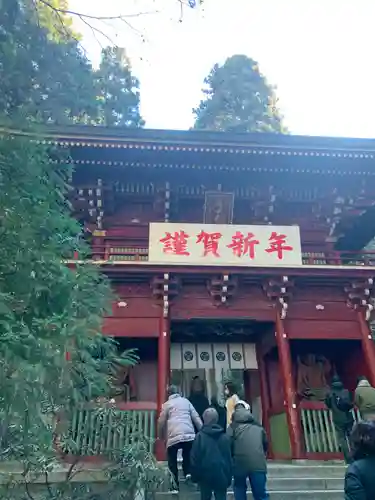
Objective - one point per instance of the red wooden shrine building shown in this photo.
(234, 257)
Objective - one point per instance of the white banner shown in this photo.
(222, 245)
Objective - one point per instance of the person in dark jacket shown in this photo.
(340, 403)
(210, 459)
(221, 411)
(360, 475)
(198, 397)
(249, 448)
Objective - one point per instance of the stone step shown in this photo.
(274, 495)
(304, 483)
(306, 471)
(291, 471)
(299, 483)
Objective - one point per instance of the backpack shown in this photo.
(214, 468)
(343, 403)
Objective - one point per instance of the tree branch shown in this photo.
(96, 18)
(95, 30)
(86, 18)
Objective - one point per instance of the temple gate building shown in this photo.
(234, 257)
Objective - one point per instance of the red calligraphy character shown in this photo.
(278, 244)
(243, 245)
(210, 243)
(175, 243)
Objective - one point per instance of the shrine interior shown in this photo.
(218, 350)
(314, 363)
(327, 358)
(138, 382)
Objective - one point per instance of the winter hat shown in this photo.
(336, 383)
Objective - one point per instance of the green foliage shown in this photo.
(52, 17)
(46, 78)
(46, 310)
(118, 94)
(238, 99)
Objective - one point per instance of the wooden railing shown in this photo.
(318, 429)
(131, 253)
(101, 431)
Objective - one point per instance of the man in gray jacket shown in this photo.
(176, 424)
(249, 448)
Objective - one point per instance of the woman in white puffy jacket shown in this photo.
(177, 423)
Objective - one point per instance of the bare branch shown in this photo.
(86, 18)
(124, 18)
(94, 30)
(96, 18)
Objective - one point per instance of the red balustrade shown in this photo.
(138, 252)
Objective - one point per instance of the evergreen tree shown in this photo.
(47, 310)
(118, 90)
(41, 80)
(238, 99)
(45, 78)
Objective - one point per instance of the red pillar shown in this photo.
(367, 346)
(285, 363)
(163, 375)
(264, 396)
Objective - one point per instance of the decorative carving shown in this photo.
(237, 356)
(165, 289)
(205, 356)
(222, 288)
(218, 207)
(360, 296)
(213, 330)
(312, 373)
(188, 356)
(124, 384)
(279, 291)
(167, 202)
(89, 202)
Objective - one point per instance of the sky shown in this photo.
(318, 53)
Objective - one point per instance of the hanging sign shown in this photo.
(222, 245)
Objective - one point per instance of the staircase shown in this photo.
(289, 481)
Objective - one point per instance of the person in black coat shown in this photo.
(360, 475)
(211, 459)
(340, 403)
(221, 411)
(198, 397)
